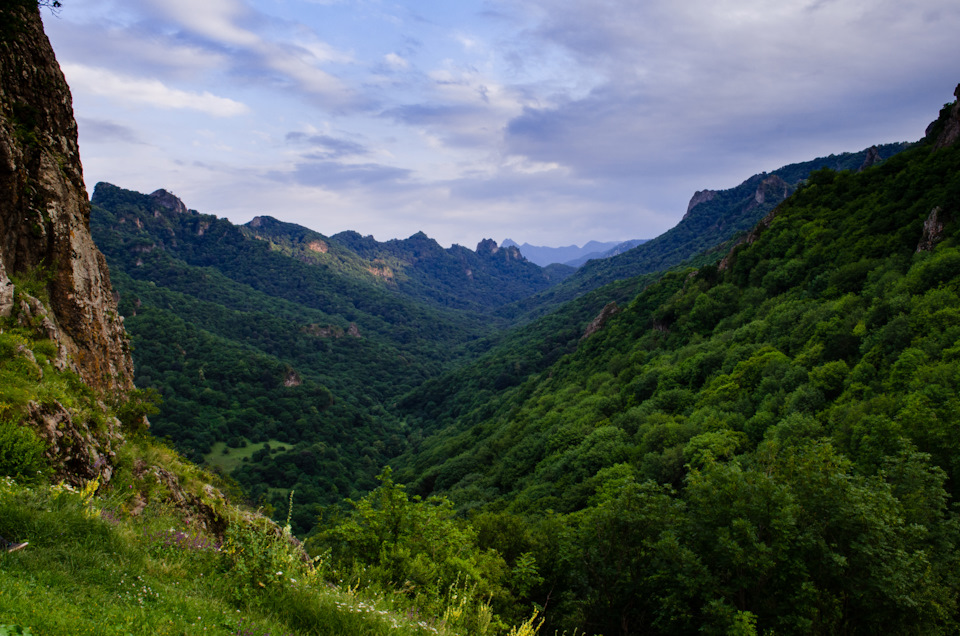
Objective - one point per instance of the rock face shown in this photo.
(932, 230)
(700, 196)
(77, 453)
(169, 201)
(772, 190)
(6, 293)
(951, 129)
(488, 247)
(610, 309)
(44, 211)
(872, 158)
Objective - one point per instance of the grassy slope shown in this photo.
(92, 568)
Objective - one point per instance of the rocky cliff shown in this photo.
(700, 196)
(947, 127)
(44, 210)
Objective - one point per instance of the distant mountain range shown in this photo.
(572, 255)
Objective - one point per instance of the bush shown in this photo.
(21, 452)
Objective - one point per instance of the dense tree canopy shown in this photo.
(759, 440)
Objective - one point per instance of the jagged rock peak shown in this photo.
(45, 211)
(872, 158)
(265, 222)
(700, 196)
(487, 246)
(169, 201)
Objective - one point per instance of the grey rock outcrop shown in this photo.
(772, 190)
(932, 230)
(44, 211)
(609, 310)
(872, 158)
(487, 246)
(77, 453)
(6, 293)
(700, 196)
(951, 128)
(169, 201)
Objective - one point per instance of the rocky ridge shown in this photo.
(943, 132)
(700, 196)
(950, 120)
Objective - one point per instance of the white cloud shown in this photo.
(99, 81)
(546, 120)
(300, 68)
(212, 18)
(273, 52)
(396, 62)
(467, 42)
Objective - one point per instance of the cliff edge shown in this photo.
(44, 208)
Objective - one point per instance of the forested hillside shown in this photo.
(276, 350)
(418, 266)
(767, 444)
(526, 351)
(759, 440)
(712, 219)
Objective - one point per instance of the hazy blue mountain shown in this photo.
(543, 255)
(620, 248)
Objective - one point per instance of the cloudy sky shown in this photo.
(548, 121)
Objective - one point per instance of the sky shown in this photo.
(552, 122)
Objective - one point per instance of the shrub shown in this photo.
(21, 452)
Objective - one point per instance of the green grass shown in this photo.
(92, 568)
(235, 456)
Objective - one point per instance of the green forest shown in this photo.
(249, 345)
(766, 443)
(759, 437)
(746, 426)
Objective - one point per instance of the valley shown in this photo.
(728, 361)
(745, 425)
